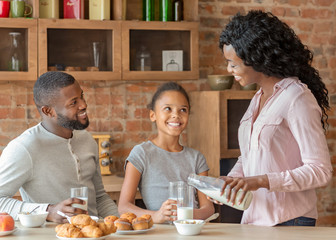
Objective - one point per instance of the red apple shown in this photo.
(6, 222)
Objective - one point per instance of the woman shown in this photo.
(284, 154)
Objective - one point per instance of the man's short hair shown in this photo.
(48, 85)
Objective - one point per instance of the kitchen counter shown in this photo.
(209, 231)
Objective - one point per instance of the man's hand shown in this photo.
(66, 208)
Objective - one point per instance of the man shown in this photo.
(48, 159)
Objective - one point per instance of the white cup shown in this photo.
(185, 202)
(81, 193)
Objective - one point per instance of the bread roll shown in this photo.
(90, 231)
(82, 220)
(107, 228)
(123, 224)
(140, 223)
(68, 231)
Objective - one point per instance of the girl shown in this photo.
(151, 165)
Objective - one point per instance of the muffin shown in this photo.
(140, 223)
(123, 224)
(130, 216)
(110, 219)
(149, 220)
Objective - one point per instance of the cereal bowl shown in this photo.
(189, 227)
(32, 219)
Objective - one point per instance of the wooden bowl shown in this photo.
(220, 82)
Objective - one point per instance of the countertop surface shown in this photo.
(209, 231)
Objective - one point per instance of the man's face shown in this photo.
(70, 108)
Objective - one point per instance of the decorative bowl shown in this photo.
(189, 227)
(33, 219)
(220, 82)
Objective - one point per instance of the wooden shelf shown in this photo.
(66, 42)
(28, 30)
(159, 36)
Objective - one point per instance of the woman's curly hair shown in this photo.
(271, 47)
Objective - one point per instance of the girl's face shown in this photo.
(171, 113)
(245, 75)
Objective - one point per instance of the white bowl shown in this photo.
(189, 226)
(33, 219)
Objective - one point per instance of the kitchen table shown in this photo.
(209, 231)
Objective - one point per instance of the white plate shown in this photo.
(8, 232)
(126, 232)
(100, 238)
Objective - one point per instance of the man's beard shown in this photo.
(65, 122)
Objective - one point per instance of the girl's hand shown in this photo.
(165, 212)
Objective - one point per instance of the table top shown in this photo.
(209, 231)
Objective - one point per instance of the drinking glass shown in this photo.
(173, 190)
(97, 51)
(81, 193)
(185, 202)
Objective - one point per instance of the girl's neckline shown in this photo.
(151, 142)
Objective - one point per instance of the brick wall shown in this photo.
(119, 108)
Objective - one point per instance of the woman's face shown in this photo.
(245, 75)
(171, 113)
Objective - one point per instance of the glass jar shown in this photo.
(212, 187)
(15, 61)
(143, 60)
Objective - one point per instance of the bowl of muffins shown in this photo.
(129, 223)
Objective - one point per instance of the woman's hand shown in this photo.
(168, 209)
(233, 185)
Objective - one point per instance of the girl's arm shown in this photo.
(127, 198)
(206, 207)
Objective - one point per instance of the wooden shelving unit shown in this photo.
(65, 42)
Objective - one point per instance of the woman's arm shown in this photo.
(127, 198)
(206, 208)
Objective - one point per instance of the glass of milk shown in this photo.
(185, 202)
(81, 193)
